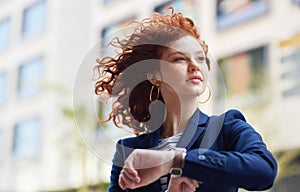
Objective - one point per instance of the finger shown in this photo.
(190, 183)
(121, 183)
(126, 182)
(124, 185)
(131, 171)
(184, 182)
(186, 188)
(196, 183)
(132, 175)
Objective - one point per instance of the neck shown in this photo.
(178, 113)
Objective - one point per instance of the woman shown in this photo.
(164, 61)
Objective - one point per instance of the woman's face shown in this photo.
(183, 68)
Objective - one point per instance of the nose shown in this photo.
(193, 66)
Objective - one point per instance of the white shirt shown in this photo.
(165, 145)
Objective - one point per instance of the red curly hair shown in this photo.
(144, 47)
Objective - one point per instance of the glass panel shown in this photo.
(186, 7)
(1, 144)
(296, 2)
(30, 77)
(4, 34)
(108, 1)
(244, 73)
(3, 87)
(34, 19)
(26, 139)
(115, 30)
(291, 74)
(231, 12)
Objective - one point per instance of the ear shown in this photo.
(153, 79)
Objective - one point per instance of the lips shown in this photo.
(196, 77)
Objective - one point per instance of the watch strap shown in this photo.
(178, 161)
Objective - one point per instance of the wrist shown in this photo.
(178, 161)
(170, 156)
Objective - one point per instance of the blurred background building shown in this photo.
(43, 43)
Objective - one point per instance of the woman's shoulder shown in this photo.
(235, 121)
(231, 115)
(234, 114)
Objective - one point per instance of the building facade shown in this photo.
(43, 47)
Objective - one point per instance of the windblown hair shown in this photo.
(124, 76)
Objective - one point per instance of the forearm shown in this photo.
(144, 166)
(249, 171)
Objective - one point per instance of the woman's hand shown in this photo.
(182, 184)
(144, 166)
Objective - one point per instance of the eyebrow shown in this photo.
(179, 52)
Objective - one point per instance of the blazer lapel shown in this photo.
(150, 140)
(195, 127)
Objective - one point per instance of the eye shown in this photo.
(201, 58)
(178, 59)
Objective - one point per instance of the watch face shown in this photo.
(176, 171)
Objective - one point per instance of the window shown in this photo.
(231, 12)
(188, 7)
(290, 73)
(34, 19)
(26, 139)
(3, 87)
(105, 40)
(105, 2)
(30, 77)
(4, 34)
(1, 144)
(115, 30)
(296, 2)
(244, 74)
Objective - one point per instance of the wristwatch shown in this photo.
(178, 161)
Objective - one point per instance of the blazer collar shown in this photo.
(203, 119)
(150, 140)
(196, 126)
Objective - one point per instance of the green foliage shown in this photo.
(288, 163)
(100, 187)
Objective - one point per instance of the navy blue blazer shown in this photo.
(237, 159)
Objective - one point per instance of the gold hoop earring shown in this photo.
(209, 95)
(151, 92)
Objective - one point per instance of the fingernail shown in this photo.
(138, 180)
